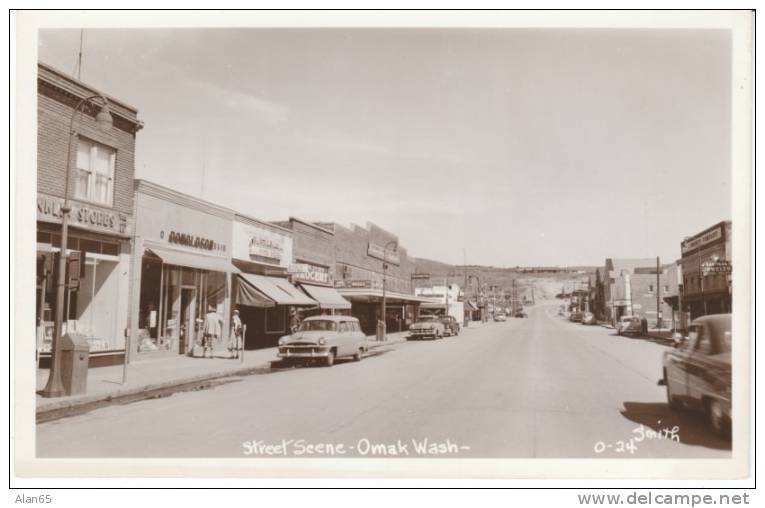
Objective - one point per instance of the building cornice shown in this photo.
(77, 90)
(246, 219)
(158, 191)
(312, 225)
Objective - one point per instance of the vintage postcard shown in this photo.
(481, 244)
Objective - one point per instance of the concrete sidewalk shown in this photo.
(157, 372)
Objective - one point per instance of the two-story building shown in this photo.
(100, 175)
(706, 271)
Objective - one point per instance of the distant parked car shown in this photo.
(451, 325)
(324, 338)
(427, 326)
(629, 325)
(575, 316)
(519, 314)
(697, 372)
(500, 316)
(588, 318)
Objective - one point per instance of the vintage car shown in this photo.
(588, 318)
(629, 325)
(451, 325)
(576, 316)
(500, 316)
(520, 314)
(427, 326)
(324, 338)
(697, 371)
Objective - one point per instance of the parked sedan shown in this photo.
(427, 326)
(324, 338)
(451, 325)
(629, 325)
(575, 316)
(588, 318)
(500, 316)
(697, 372)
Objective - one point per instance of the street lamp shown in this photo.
(385, 270)
(54, 387)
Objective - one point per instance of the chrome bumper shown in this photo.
(303, 352)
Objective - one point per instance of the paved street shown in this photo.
(536, 387)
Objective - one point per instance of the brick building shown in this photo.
(313, 265)
(706, 271)
(630, 288)
(101, 218)
(359, 256)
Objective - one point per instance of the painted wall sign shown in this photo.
(193, 241)
(378, 251)
(261, 244)
(310, 273)
(82, 215)
(702, 240)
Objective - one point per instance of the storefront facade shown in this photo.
(268, 303)
(706, 271)
(312, 269)
(181, 269)
(101, 219)
(359, 257)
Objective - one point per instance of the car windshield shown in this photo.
(318, 325)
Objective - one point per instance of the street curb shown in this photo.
(63, 408)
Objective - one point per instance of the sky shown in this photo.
(500, 147)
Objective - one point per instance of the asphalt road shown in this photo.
(535, 387)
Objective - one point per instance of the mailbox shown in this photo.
(75, 354)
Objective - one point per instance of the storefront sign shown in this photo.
(310, 273)
(702, 240)
(358, 284)
(196, 242)
(262, 245)
(380, 252)
(717, 266)
(86, 216)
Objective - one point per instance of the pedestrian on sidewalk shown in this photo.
(235, 343)
(211, 330)
(644, 325)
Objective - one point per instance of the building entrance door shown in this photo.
(188, 320)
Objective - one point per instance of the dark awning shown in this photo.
(249, 295)
(193, 260)
(327, 297)
(276, 289)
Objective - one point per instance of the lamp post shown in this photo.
(385, 270)
(54, 387)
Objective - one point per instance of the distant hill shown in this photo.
(546, 281)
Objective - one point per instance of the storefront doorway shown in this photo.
(188, 320)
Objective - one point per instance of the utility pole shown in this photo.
(658, 295)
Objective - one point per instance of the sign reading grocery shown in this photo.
(310, 273)
(380, 252)
(701, 240)
(86, 216)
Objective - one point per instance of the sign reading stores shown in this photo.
(84, 216)
(261, 244)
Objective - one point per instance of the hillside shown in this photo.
(546, 281)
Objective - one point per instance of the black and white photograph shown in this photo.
(329, 245)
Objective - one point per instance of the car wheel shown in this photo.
(357, 356)
(717, 419)
(330, 359)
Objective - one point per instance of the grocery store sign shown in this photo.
(701, 240)
(310, 273)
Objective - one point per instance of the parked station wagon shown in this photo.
(697, 373)
(324, 338)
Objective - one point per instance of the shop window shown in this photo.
(650, 288)
(112, 249)
(276, 319)
(94, 176)
(43, 237)
(89, 246)
(187, 277)
(216, 290)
